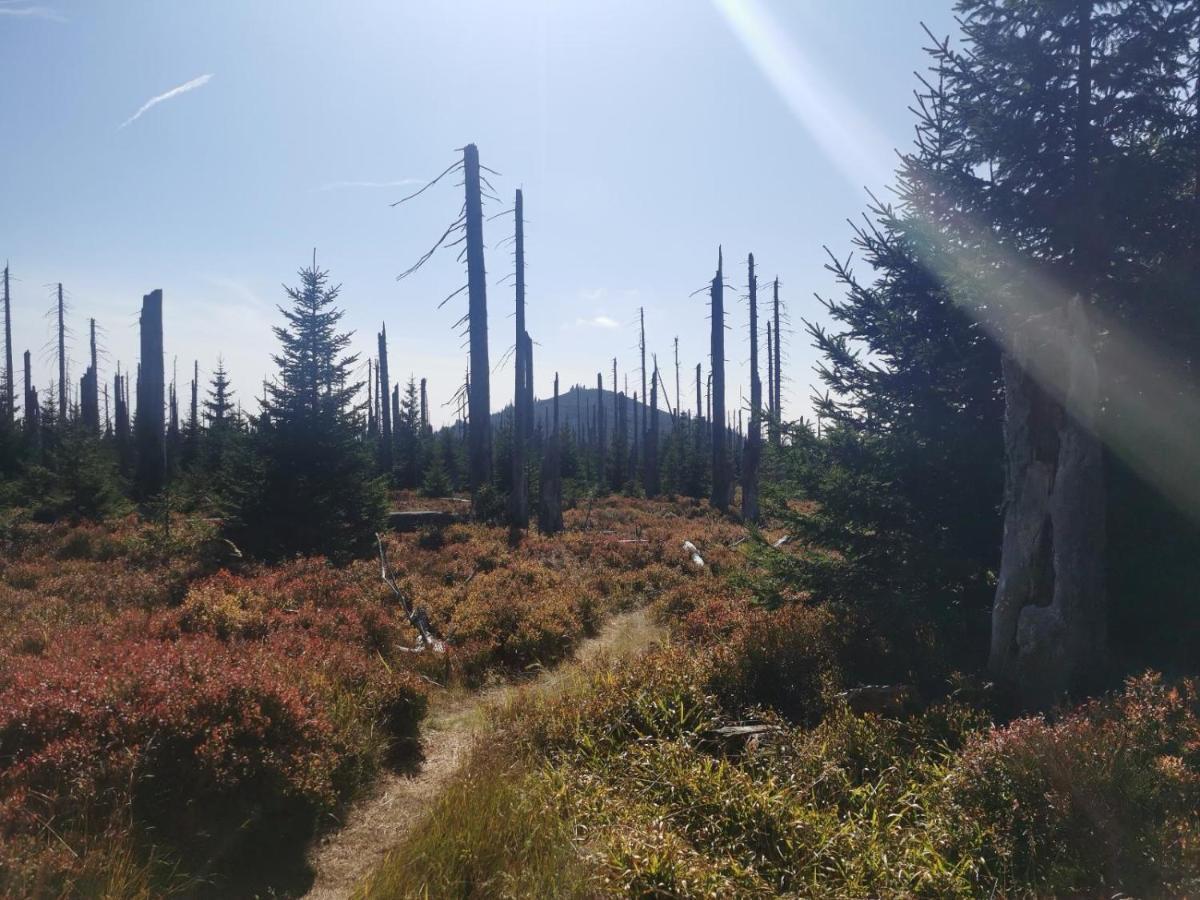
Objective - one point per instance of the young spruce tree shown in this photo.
(314, 491)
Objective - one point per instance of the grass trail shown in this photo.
(381, 820)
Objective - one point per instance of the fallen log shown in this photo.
(417, 615)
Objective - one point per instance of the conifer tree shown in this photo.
(314, 491)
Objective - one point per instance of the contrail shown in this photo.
(30, 12)
(173, 92)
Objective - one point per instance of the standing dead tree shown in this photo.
(601, 436)
(467, 229)
(148, 426)
(721, 484)
(650, 481)
(32, 408)
(371, 423)
(9, 402)
(753, 448)
(618, 445)
(678, 391)
(479, 443)
(386, 460)
(645, 394)
(121, 424)
(770, 385)
(550, 520)
(62, 354)
(89, 387)
(522, 397)
(776, 368)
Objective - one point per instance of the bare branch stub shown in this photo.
(457, 164)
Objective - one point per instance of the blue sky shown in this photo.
(643, 133)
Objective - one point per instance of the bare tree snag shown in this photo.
(386, 460)
(651, 484)
(720, 459)
(89, 388)
(770, 386)
(370, 398)
(519, 499)
(121, 404)
(678, 411)
(10, 400)
(32, 409)
(601, 436)
(479, 441)
(753, 449)
(424, 408)
(62, 356)
(550, 519)
(777, 409)
(148, 428)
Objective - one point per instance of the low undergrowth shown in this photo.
(730, 763)
(174, 719)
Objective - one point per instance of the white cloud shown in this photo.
(342, 185)
(600, 321)
(173, 92)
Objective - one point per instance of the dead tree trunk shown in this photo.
(10, 400)
(550, 519)
(650, 485)
(384, 389)
(1049, 623)
(194, 411)
(777, 408)
(720, 459)
(89, 387)
(678, 396)
(519, 499)
(529, 410)
(396, 408)
(32, 411)
(424, 408)
(121, 404)
(172, 426)
(148, 426)
(601, 436)
(770, 387)
(617, 447)
(370, 398)
(62, 357)
(752, 451)
(646, 396)
(479, 441)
